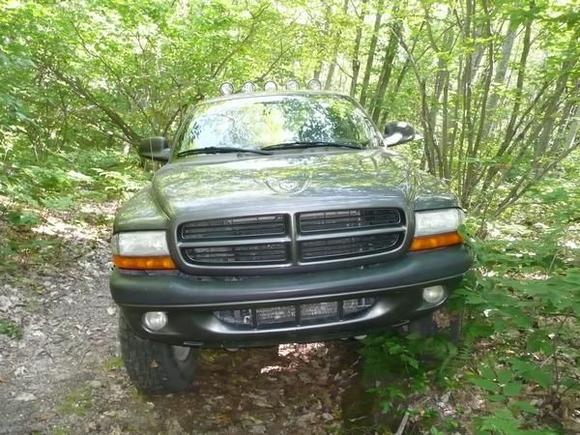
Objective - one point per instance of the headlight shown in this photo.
(437, 221)
(437, 229)
(141, 250)
(140, 243)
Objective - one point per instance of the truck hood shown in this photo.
(220, 182)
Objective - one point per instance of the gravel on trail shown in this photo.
(64, 374)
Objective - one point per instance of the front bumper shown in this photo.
(190, 302)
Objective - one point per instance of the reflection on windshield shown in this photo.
(262, 121)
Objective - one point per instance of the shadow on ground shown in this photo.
(64, 375)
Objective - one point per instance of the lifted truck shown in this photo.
(280, 217)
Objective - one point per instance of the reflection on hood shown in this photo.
(353, 175)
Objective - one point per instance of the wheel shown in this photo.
(156, 367)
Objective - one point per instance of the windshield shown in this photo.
(265, 121)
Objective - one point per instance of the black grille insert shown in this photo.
(257, 253)
(229, 228)
(351, 219)
(346, 247)
(290, 240)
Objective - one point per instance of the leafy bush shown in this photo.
(62, 179)
(520, 348)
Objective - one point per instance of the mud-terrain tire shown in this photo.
(154, 367)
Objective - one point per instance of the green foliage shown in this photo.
(532, 320)
(404, 365)
(502, 421)
(61, 185)
(90, 75)
(65, 178)
(77, 402)
(10, 329)
(22, 218)
(492, 85)
(520, 347)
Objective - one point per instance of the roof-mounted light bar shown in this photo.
(270, 86)
(314, 85)
(249, 87)
(292, 85)
(226, 88)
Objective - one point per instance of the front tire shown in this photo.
(156, 367)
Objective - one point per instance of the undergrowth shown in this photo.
(61, 179)
(34, 190)
(515, 372)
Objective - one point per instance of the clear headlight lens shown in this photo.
(437, 221)
(140, 244)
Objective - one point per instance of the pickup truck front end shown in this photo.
(307, 275)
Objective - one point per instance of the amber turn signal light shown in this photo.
(435, 241)
(144, 263)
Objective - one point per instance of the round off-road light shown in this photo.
(292, 85)
(270, 86)
(314, 85)
(248, 87)
(434, 294)
(226, 88)
(154, 320)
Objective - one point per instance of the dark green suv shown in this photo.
(279, 217)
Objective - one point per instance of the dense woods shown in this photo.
(493, 85)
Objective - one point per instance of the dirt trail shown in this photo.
(65, 375)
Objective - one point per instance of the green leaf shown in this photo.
(532, 373)
(504, 376)
(496, 397)
(502, 421)
(486, 384)
(24, 219)
(540, 342)
(512, 389)
(524, 406)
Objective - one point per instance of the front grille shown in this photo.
(344, 247)
(295, 315)
(258, 253)
(348, 219)
(293, 240)
(245, 226)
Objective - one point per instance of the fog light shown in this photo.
(155, 320)
(434, 294)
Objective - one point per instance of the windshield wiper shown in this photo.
(299, 144)
(219, 150)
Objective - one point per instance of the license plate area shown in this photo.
(295, 315)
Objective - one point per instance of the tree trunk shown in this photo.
(371, 55)
(500, 75)
(356, 49)
(387, 68)
(332, 65)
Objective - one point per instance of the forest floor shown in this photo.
(61, 373)
(60, 370)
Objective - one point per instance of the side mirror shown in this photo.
(400, 132)
(154, 148)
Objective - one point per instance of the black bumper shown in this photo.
(189, 302)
